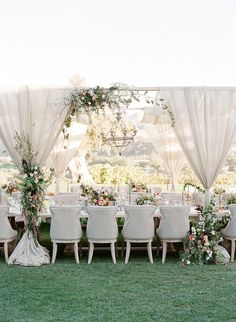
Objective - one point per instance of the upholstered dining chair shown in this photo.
(102, 228)
(174, 225)
(67, 199)
(229, 232)
(7, 234)
(139, 228)
(65, 228)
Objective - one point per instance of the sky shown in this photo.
(136, 42)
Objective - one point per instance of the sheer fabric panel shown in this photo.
(205, 125)
(40, 113)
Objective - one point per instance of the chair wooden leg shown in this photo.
(158, 249)
(117, 251)
(80, 249)
(113, 253)
(149, 249)
(128, 246)
(122, 249)
(6, 251)
(54, 252)
(164, 252)
(232, 250)
(91, 248)
(76, 252)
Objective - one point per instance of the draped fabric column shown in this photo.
(165, 143)
(205, 125)
(65, 150)
(40, 114)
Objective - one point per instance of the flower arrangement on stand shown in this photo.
(201, 245)
(33, 183)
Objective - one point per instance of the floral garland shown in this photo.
(88, 100)
(190, 184)
(33, 182)
(201, 243)
(95, 100)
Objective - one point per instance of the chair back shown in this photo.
(230, 229)
(171, 198)
(134, 196)
(65, 223)
(75, 189)
(16, 195)
(174, 223)
(198, 199)
(155, 189)
(102, 187)
(3, 199)
(139, 223)
(67, 199)
(102, 223)
(6, 230)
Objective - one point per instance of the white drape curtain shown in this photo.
(165, 143)
(168, 149)
(40, 113)
(65, 150)
(205, 125)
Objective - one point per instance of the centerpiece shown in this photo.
(11, 186)
(138, 187)
(98, 198)
(147, 199)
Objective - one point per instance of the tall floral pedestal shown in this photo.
(29, 252)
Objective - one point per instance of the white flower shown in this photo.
(213, 232)
(188, 262)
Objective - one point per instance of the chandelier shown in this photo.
(121, 132)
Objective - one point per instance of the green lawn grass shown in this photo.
(105, 292)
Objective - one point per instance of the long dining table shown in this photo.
(16, 213)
